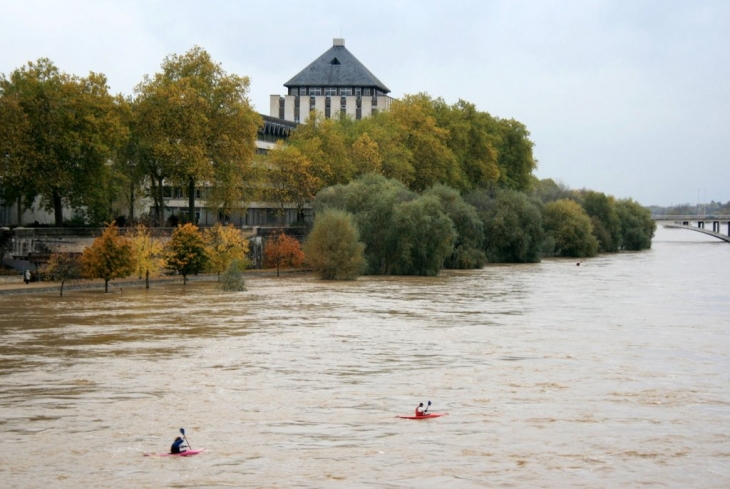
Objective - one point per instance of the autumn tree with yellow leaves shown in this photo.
(186, 252)
(224, 245)
(110, 256)
(147, 253)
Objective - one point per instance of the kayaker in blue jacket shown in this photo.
(178, 446)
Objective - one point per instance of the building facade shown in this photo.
(334, 84)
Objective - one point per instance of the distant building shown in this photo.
(335, 83)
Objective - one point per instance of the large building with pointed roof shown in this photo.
(335, 83)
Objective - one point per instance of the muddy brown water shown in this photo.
(614, 373)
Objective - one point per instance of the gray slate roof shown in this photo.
(337, 67)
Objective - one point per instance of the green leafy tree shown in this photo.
(225, 244)
(371, 200)
(515, 159)
(68, 128)
(426, 142)
(233, 279)
(283, 252)
(197, 126)
(472, 141)
(110, 256)
(469, 242)
(63, 267)
(333, 248)
(403, 233)
(606, 224)
(322, 141)
(291, 178)
(570, 229)
(423, 237)
(147, 254)
(637, 226)
(186, 251)
(512, 226)
(15, 145)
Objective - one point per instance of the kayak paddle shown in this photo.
(182, 431)
(426, 410)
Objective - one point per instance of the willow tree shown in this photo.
(197, 127)
(569, 228)
(67, 129)
(333, 248)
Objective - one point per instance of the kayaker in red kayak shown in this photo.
(178, 446)
(420, 411)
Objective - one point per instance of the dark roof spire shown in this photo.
(337, 67)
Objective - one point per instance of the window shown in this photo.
(330, 91)
(358, 91)
(345, 92)
(315, 91)
(366, 91)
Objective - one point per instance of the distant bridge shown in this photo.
(697, 223)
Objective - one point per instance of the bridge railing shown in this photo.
(691, 217)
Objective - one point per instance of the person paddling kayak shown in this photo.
(420, 411)
(178, 446)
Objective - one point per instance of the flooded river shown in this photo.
(614, 373)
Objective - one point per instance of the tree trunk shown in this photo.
(147, 280)
(61, 288)
(106, 286)
(131, 203)
(161, 201)
(20, 211)
(191, 201)
(58, 209)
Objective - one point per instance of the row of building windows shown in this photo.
(335, 91)
(327, 103)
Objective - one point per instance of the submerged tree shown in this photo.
(570, 229)
(147, 253)
(468, 252)
(110, 256)
(512, 226)
(233, 279)
(225, 244)
(333, 248)
(186, 252)
(637, 226)
(63, 267)
(283, 252)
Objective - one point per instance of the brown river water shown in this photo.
(614, 373)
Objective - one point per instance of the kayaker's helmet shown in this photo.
(420, 405)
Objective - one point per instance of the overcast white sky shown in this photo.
(628, 97)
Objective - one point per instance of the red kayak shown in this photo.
(186, 453)
(425, 416)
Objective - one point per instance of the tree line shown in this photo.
(66, 141)
(412, 190)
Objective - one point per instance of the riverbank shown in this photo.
(14, 285)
